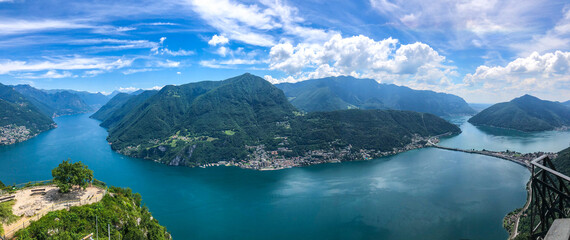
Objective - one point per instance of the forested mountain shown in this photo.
(228, 120)
(119, 107)
(19, 118)
(55, 103)
(345, 92)
(526, 113)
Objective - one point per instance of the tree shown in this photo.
(2, 185)
(68, 174)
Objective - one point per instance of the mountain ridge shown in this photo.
(345, 92)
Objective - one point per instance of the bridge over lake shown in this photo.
(503, 155)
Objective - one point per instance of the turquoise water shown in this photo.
(421, 194)
(499, 139)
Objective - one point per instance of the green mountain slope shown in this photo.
(17, 112)
(112, 105)
(344, 92)
(526, 113)
(120, 108)
(212, 121)
(56, 103)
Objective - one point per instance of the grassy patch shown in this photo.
(229, 132)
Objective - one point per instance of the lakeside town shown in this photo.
(11, 134)
(262, 159)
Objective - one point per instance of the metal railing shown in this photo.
(550, 196)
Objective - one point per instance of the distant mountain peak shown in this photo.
(525, 113)
(527, 97)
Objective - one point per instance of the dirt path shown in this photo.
(33, 203)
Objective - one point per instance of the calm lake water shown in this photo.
(421, 194)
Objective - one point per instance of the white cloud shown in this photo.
(167, 64)
(116, 44)
(254, 23)
(65, 63)
(228, 64)
(556, 38)
(18, 26)
(179, 52)
(137, 70)
(360, 56)
(546, 75)
(48, 74)
(465, 21)
(218, 40)
(128, 89)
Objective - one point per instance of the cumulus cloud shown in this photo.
(547, 75)
(218, 40)
(385, 60)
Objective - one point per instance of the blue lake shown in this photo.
(421, 194)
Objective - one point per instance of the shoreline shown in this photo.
(261, 159)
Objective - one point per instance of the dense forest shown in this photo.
(526, 113)
(213, 121)
(16, 110)
(119, 107)
(345, 92)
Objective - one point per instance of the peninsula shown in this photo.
(245, 121)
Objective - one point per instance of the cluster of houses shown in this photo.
(11, 134)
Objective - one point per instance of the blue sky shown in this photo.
(481, 50)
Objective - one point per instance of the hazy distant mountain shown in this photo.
(16, 111)
(526, 113)
(94, 100)
(211, 121)
(567, 103)
(478, 107)
(345, 92)
(56, 103)
(119, 106)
